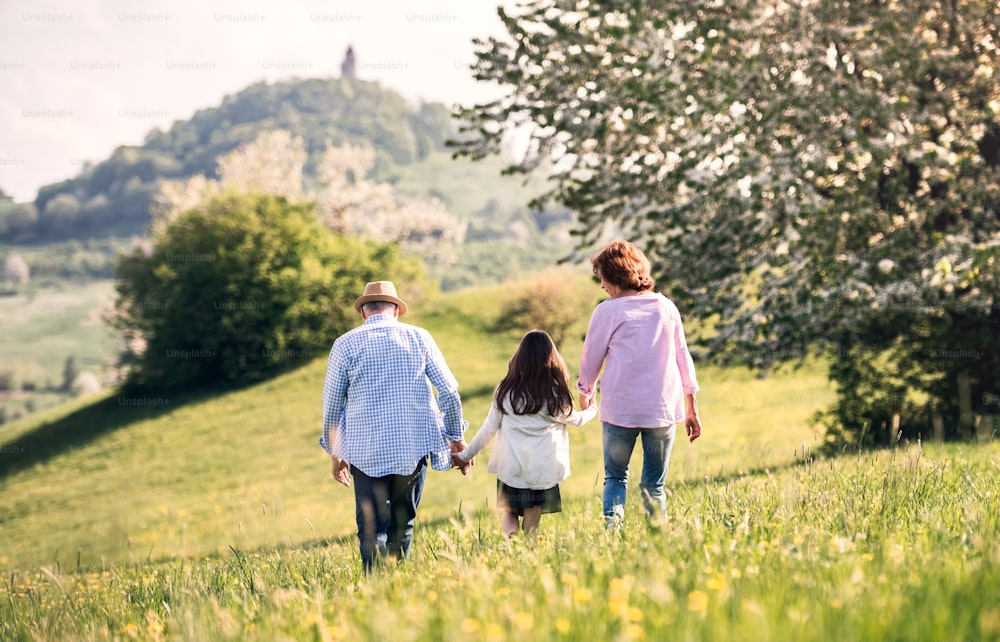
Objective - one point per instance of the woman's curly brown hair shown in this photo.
(624, 266)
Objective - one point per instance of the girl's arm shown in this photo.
(484, 436)
(579, 418)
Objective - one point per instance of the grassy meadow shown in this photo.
(203, 517)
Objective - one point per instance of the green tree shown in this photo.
(62, 212)
(70, 373)
(807, 175)
(241, 288)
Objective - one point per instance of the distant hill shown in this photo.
(112, 197)
(75, 228)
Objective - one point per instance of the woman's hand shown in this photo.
(693, 426)
(692, 423)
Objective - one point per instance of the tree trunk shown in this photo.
(937, 426)
(965, 419)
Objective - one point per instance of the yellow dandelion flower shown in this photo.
(155, 629)
(634, 632)
(562, 625)
(619, 588)
(132, 630)
(312, 619)
(868, 557)
(582, 595)
(837, 603)
(336, 632)
(432, 596)
(568, 579)
(524, 621)
(503, 590)
(495, 632)
(471, 625)
(618, 607)
(697, 600)
(716, 583)
(634, 614)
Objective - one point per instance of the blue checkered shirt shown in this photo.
(379, 409)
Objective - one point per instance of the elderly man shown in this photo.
(382, 423)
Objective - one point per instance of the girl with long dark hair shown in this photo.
(532, 407)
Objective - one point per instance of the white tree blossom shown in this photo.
(16, 270)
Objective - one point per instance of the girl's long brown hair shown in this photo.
(536, 378)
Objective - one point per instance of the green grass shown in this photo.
(204, 517)
(897, 545)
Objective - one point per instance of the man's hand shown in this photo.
(457, 447)
(341, 470)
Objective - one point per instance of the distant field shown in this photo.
(39, 331)
(465, 185)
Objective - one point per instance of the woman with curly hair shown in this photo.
(649, 383)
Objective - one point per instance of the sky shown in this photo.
(79, 78)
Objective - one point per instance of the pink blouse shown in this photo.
(639, 340)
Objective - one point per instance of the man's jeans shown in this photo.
(386, 507)
(618, 444)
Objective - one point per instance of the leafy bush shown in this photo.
(554, 302)
(242, 288)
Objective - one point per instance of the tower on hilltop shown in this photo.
(348, 68)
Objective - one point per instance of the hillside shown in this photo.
(112, 197)
(75, 228)
(215, 518)
(190, 475)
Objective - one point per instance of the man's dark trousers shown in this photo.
(386, 507)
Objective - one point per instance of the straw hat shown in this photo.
(380, 291)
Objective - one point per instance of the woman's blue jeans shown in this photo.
(618, 445)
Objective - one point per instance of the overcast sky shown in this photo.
(81, 77)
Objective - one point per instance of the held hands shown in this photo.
(456, 461)
(340, 469)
